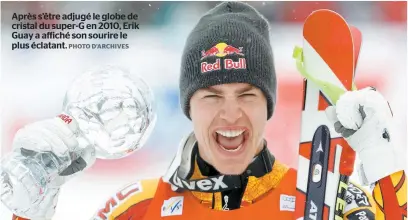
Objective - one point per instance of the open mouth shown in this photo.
(231, 140)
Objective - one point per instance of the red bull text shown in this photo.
(227, 64)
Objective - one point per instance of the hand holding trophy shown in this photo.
(107, 114)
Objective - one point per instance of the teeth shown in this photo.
(230, 133)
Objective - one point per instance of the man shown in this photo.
(224, 170)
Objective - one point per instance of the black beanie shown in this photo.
(230, 44)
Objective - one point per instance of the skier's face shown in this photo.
(229, 122)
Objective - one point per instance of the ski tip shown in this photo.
(323, 10)
(357, 40)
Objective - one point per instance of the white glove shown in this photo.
(364, 119)
(55, 136)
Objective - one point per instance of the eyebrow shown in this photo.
(239, 91)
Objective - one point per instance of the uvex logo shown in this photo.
(210, 184)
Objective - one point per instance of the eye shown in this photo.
(247, 95)
(211, 96)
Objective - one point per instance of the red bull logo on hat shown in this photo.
(221, 50)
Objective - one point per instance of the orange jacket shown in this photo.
(269, 196)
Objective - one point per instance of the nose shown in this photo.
(231, 111)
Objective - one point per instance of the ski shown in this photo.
(327, 62)
(318, 172)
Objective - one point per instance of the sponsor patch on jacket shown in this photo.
(203, 185)
(362, 214)
(118, 199)
(172, 206)
(287, 203)
(356, 198)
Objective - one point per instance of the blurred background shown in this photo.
(33, 82)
